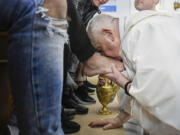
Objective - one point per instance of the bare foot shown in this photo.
(99, 64)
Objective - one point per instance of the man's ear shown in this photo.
(108, 34)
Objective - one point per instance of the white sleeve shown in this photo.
(153, 57)
(125, 101)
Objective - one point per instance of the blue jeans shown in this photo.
(36, 45)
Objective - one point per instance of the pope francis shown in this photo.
(149, 44)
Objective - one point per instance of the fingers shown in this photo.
(108, 126)
(114, 69)
(106, 123)
(114, 75)
(98, 123)
(110, 76)
(101, 81)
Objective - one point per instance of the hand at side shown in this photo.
(111, 123)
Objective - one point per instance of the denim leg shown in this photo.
(47, 70)
(35, 66)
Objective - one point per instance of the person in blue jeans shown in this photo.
(36, 34)
(36, 43)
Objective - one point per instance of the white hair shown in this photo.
(96, 25)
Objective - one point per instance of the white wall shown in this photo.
(126, 7)
(122, 7)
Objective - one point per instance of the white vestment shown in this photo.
(150, 48)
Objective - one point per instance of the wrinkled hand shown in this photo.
(116, 76)
(111, 123)
(99, 64)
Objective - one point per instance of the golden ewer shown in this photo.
(105, 94)
(176, 5)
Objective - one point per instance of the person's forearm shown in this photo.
(121, 81)
(122, 116)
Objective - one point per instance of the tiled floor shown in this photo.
(84, 120)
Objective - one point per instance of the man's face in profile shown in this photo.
(145, 4)
(108, 47)
(105, 37)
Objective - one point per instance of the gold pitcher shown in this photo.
(105, 94)
(176, 5)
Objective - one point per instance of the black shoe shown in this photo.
(78, 100)
(88, 84)
(89, 90)
(66, 116)
(70, 103)
(69, 112)
(82, 94)
(70, 127)
(69, 109)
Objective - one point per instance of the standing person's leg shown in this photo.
(35, 65)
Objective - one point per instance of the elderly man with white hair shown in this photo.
(149, 46)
